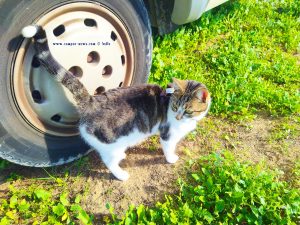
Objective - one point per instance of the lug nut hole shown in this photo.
(59, 30)
(36, 95)
(90, 23)
(99, 90)
(107, 71)
(56, 118)
(93, 58)
(35, 62)
(123, 59)
(113, 36)
(76, 71)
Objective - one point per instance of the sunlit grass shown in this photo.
(246, 52)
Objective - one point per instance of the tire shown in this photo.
(21, 140)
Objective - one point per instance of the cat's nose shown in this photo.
(179, 116)
(180, 113)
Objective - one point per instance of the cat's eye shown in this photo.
(189, 112)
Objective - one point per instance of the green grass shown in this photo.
(284, 133)
(247, 53)
(287, 129)
(220, 190)
(244, 51)
(3, 164)
(43, 205)
(216, 190)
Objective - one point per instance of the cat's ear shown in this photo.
(202, 94)
(179, 84)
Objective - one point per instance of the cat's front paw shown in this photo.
(122, 175)
(172, 158)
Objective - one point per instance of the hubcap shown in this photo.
(87, 39)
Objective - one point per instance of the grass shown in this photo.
(245, 52)
(220, 190)
(283, 133)
(216, 189)
(42, 206)
(248, 55)
(3, 164)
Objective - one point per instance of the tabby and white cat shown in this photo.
(123, 117)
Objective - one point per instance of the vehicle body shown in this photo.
(105, 43)
(167, 15)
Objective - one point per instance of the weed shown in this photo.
(244, 51)
(247, 53)
(288, 128)
(38, 205)
(283, 134)
(3, 164)
(220, 190)
(13, 176)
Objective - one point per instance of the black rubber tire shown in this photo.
(19, 142)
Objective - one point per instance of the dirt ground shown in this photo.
(276, 142)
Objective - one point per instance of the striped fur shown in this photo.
(60, 74)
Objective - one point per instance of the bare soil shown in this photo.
(151, 177)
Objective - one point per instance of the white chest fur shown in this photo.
(179, 128)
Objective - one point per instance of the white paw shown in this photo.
(172, 158)
(122, 175)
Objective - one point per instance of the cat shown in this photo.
(117, 119)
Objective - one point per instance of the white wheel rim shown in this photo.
(90, 41)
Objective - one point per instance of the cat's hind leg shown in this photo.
(111, 154)
(112, 158)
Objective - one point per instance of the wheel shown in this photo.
(105, 43)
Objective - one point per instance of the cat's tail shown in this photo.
(59, 73)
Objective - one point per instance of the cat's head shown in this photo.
(190, 99)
